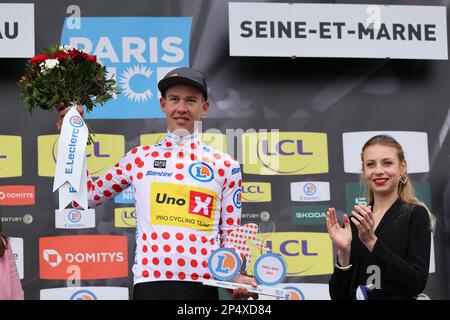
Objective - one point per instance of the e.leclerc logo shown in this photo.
(202, 172)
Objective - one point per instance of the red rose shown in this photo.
(62, 55)
(74, 53)
(39, 58)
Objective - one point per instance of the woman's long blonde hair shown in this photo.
(405, 190)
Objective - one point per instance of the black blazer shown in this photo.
(402, 253)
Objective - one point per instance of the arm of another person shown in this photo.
(16, 288)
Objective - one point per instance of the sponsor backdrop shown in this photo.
(295, 91)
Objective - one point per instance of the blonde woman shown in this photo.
(383, 249)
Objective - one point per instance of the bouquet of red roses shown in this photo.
(65, 76)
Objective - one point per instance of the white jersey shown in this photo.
(187, 199)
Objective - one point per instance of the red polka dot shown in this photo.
(167, 248)
(180, 155)
(169, 275)
(168, 261)
(207, 276)
(145, 274)
(123, 181)
(221, 172)
(154, 248)
(157, 274)
(128, 166)
(204, 239)
(205, 264)
(144, 261)
(217, 156)
(134, 151)
(192, 237)
(144, 249)
(193, 250)
(230, 221)
(194, 276)
(154, 235)
(181, 262)
(193, 146)
(144, 236)
(100, 183)
(155, 261)
(116, 165)
(168, 144)
(108, 177)
(179, 236)
(239, 222)
(131, 178)
(140, 175)
(240, 183)
(96, 197)
(230, 209)
(146, 147)
(167, 155)
(193, 157)
(204, 251)
(179, 176)
(231, 184)
(166, 235)
(182, 275)
(137, 160)
(107, 193)
(117, 188)
(194, 263)
(155, 154)
(119, 172)
(179, 166)
(227, 163)
(180, 249)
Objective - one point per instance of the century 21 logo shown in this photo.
(285, 153)
(106, 150)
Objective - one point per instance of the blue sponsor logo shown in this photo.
(200, 171)
(76, 122)
(137, 52)
(83, 295)
(74, 216)
(237, 198)
(235, 170)
(126, 196)
(309, 189)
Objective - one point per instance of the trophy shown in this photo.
(270, 269)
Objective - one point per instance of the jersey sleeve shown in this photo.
(230, 215)
(113, 181)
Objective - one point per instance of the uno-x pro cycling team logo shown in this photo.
(10, 156)
(201, 171)
(285, 153)
(137, 52)
(76, 122)
(182, 206)
(106, 151)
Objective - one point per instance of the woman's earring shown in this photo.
(403, 178)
